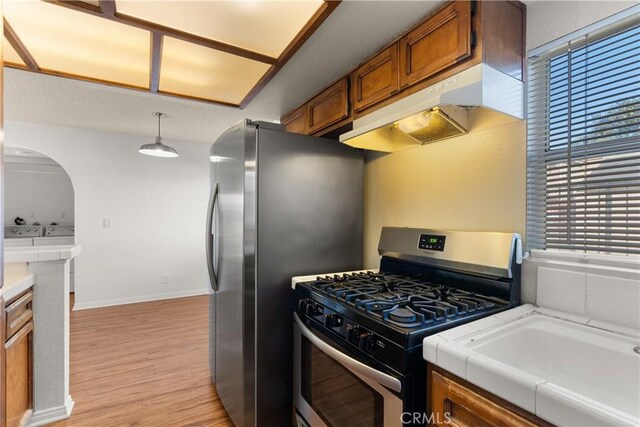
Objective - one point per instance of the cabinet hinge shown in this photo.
(474, 39)
(474, 7)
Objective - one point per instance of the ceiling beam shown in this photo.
(19, 47)
(156, 59)
(121, 85)
(108, 7)
(165, 31)
(303, 35)
(107, 10)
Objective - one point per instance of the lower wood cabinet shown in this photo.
(18, 361)
(454, 401)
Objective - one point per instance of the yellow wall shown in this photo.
(472, 182)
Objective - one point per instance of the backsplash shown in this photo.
(473, 182)
(607, 293)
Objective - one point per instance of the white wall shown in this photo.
(550, 20)
(157, 207)
(37, 191)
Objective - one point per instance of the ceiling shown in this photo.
(341, 42)
(217, 51)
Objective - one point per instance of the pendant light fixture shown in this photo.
(158, 149)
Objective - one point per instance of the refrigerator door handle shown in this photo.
(213, 200)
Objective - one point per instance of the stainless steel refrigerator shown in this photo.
(281, 205)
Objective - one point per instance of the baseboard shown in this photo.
(143, 298)
(48, 416)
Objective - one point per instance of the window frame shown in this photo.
(536, 239)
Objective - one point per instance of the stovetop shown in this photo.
(386, 315)
(400, 300)
(429, 281)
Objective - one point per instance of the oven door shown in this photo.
(333, 389)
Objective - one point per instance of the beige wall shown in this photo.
(472, 182)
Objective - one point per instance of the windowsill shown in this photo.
(630, 262)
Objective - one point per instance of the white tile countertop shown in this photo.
(14, 285)
(567, 369)
(41, 253)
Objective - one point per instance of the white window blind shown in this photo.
(583, 145)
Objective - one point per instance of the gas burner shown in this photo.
(403, 315)
(377, 305)
(401, 300)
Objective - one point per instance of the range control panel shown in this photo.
(431, 242)
(343, 328)
(357, 335)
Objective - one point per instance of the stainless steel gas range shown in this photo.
(358, 335)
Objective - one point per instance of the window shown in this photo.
(583, 172)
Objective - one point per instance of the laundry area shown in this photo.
(39, 209)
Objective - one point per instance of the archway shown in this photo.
(38, 201)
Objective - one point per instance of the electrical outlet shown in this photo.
(165, 279)
(106, 223)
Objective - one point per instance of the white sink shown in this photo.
(554, 365)
(596, 364)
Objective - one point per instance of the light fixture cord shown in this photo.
(159, 117)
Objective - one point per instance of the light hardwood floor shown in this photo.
(143, 365)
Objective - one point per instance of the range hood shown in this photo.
(443, 110)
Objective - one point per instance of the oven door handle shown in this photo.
(350, 363)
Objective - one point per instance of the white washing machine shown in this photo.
(18, 236)
(59, 235)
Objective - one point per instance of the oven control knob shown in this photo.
(332, 321)
(353, 332)
(367, 341)
(314, 309)
(318, 310)
(303, 304)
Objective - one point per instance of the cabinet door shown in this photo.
(438, 43)
(328, 107)
(454, 404)
(296, 121)
(376, 79)
(19, 376)
(18, 313)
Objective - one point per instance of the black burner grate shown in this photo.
(402, 300)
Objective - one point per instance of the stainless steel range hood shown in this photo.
(443, 110)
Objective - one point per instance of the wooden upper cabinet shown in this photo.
(328, 107)
(451, 40)
(376, 79)
(441, 41)
(296, 120)
(504, 44)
